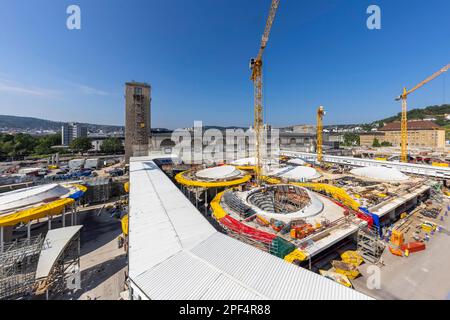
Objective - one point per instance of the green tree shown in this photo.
(81, 145)
(351, 139)
(376, 143)
(45, 144)
(23, 145)
(386, 144)
(112, 145)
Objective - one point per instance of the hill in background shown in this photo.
(35, 124)
(437, 112)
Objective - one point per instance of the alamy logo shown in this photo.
(374, 20)
(73, 21)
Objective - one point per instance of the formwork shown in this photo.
(99, 190)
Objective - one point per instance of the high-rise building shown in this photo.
(137, 119)
(71, 131)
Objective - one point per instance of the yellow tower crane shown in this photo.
(256, 68)
(320, 115)
(404, 98)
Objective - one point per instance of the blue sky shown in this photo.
(195, 54)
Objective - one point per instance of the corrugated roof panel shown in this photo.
(176, 254)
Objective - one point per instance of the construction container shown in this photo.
(76, 164)
(414, 247)
(281, 248)
(93, 163)
(397, 238)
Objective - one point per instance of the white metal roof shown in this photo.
(380, 173)
(411, 168)
(299, 173)
(222, 172)
(54, 244)
(296, 162)
(28, 196)
(175, 253)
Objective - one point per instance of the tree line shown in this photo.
(21, 145)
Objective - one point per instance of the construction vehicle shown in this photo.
(320, 115)
(404, 124)
(256, 77)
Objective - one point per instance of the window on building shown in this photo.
(138, 91)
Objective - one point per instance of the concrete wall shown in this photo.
(137, 119)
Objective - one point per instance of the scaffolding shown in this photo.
(65, 273)
(99, 190)
(370, 247)
(18, 263)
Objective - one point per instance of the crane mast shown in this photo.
(320, 114)
(256, 77)
(404, 98)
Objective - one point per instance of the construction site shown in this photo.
(329, 216)
(48, 230)
(276, 224)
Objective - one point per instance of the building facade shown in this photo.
(366, 139)
(137, 119)
(71, 131)
(421, 134)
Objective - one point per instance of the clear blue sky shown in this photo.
(195, 54)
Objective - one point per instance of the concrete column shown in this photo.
(206, 202)
(76, 213)
(196, 198)
(64, 217)
(49, 222)
(1, 240)
(29, 230)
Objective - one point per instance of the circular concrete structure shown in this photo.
(296, 173)
(216, 177)
(296, 162)
(284, 202)
(380, 174)
(218, 173)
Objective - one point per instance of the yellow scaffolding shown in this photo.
(27, 215)
(181, 179)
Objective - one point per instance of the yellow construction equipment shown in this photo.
(256, 67)
(404, 125)
(352, 257)
(349, 270)
(320, 114)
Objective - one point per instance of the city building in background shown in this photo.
(421, 134)
(366, 139)
(71, 131)
(137, 119)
